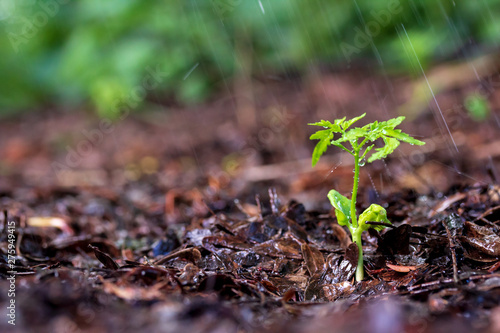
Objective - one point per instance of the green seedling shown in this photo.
(359, 138)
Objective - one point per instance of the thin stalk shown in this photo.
(360, 271)
(347, 150)
(356, 235)
(355, 190)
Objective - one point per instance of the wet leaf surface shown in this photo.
(481, 238)
(104, 258)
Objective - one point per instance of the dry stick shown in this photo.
(486, 213)
(388, 225)
(491, 224)
(421, 287)
(453, 253)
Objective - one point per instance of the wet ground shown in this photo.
(210, 218)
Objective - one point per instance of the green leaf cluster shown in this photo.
(359, 136)
(342, 205)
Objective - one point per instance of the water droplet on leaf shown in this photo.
(362, 162)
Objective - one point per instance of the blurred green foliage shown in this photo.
(61, 52)
(477, 107)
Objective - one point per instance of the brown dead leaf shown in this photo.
(401, 269)
(315, 262)
(333, 291)
(134, 293)
(481, 238)
(287, 248)
(191, 254)
(104, 258)
(341, 235)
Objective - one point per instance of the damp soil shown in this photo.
(192, 220)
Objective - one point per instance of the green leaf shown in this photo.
(324, 137)
(342, 206)
(391, 123)
(340, 121)
(374, 213)
(319, 150)
(341, 218)
(353, 134)
(390, 145)
(334, 128)
(346, 124)
(377, 129)
(323, 123)
(370, 132)
(401, 136)
(321, 135)
(371, 126)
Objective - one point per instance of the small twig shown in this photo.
(420, 234)
(491, 224)
(486, 213)
(453, 253)
(381, 223)
(448, 281)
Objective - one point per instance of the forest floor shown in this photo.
(211, 218)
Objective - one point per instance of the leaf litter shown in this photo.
(284, 260)
(192, 249)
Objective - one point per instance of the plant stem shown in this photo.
(356, 237)
(355, 190)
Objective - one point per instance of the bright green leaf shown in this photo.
(391, 123)
(401, 136)
(322, 123)
(339, 121)
(374, 213)
(377, 129)
(390, 145)
(321, 135)
(353, 134)
(319, 150)
(335, 127)
(346, 124)
(342, 219)
(340, 203)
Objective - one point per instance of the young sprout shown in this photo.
(358, 138)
